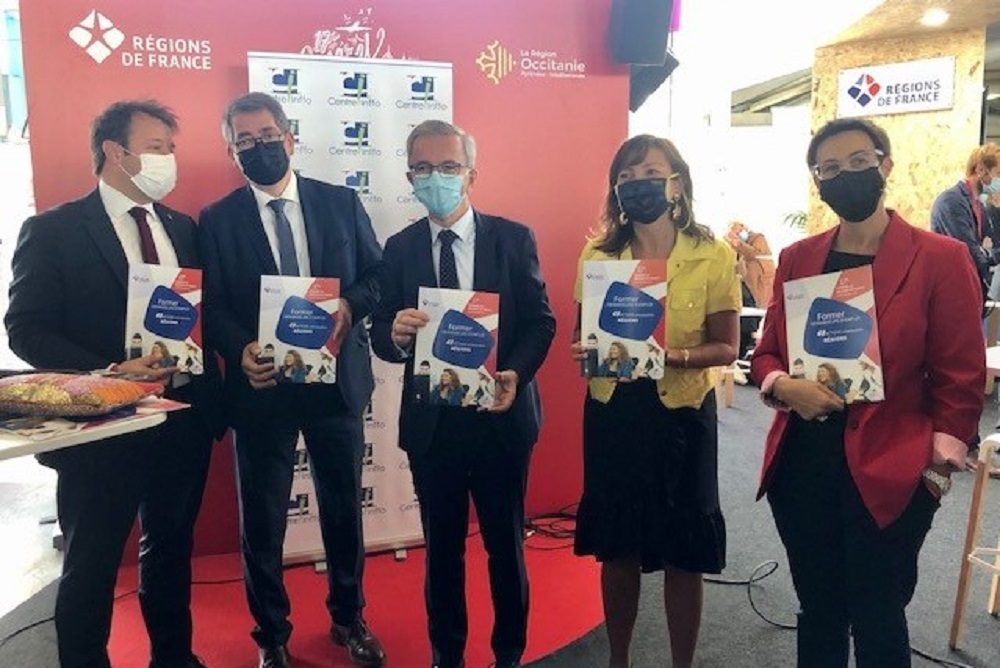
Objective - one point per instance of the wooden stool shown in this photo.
(973, 555)
(725, 387)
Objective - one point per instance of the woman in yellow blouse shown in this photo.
(650, 497)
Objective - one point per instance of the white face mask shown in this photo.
(157, 175)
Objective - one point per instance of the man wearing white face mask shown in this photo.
(67, 311)
(458, 247)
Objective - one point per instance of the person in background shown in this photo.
(828, 375)
(293, 369)
(798, 369)
(282, 223)
(959, 212)
(459, 247)
(618, 363)
(422, 382)
(68, 301)
(166, 358)
(135, 346)
(756, 263)
(650, 496)
(854, 488)
(449, 390)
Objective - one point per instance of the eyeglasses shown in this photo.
(856, 162)
(247, 143)
(422, 170)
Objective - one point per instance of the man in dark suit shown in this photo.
(67, 311)
(282, 223)
(457, 451)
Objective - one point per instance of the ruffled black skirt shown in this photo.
(650, 485)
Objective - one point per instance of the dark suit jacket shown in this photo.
(506, 262)
(953, 215)
(69, 294)
(933, 362)
(236, 252)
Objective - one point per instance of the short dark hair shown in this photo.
(840, 125)
(249, 103)
(798, 360)
(115, 122)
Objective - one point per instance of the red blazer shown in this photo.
(928, 302)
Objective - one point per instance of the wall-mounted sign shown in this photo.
(898, 88)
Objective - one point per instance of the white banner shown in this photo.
(351, 118)
(899, 88)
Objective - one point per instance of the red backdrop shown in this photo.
(545, 140)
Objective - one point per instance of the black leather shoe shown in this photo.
(364, 648)
(277, 657)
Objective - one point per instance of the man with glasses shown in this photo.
(282, 223)
(457, 451)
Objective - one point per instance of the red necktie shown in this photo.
(149, 254)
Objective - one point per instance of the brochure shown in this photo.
(456, 352)
(623, 318)
(295, 330)
(832, 332)
(164, 314)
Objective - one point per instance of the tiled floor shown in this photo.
(27, 560)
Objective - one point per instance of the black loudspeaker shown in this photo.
(638, 30)
(644, 79)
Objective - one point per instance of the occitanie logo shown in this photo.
(495, 61)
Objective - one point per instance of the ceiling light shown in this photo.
(934, 17)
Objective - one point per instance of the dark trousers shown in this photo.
(266, 458)
(468, 454)
(850, 576)
(161, 474)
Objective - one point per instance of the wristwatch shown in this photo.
(942, 482)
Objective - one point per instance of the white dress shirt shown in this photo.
(117, 204)
(464, 248)
(293, 211)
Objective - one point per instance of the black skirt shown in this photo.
(650, 485)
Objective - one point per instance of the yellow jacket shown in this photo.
(701, 279)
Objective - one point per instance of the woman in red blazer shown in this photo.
(853, 488)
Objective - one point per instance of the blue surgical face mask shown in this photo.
(744, 235)
(992, 187)
(440, 193)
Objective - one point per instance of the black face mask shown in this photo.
(266, 163)
(643, 200)
(853, 196)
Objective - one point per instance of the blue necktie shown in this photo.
(286, 243)
(447, 273)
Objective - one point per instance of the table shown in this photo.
(16, 445)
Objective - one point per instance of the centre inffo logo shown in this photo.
(284, 81)
(359, 180)
(97, 35)
(495, 61)
(864, 89)
(356, 85)
(422, 89)
(99, 38)
(356, 133)
(354, 91)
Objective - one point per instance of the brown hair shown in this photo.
(831, 372)
(987, 155)
(616, 235)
